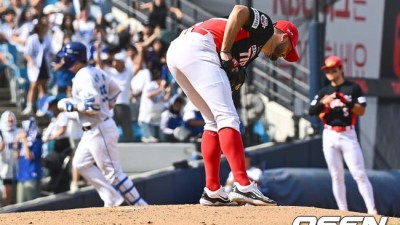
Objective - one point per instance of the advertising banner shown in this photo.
(353, 30)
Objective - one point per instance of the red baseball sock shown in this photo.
(212, 158)
(232, 147)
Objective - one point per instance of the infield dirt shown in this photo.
(175, 214)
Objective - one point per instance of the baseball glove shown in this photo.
(348, 104)
(323, 115)
(236, 74)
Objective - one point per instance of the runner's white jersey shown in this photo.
(93, 83)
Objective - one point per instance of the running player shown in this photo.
(94, 94)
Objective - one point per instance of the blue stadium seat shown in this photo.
(121, 134)
(50, 2)
(259, 130)
(137, 132)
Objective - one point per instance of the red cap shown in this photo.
(332, 61)
(291, 30)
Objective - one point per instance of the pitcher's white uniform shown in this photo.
(99, 141)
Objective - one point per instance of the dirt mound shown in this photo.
(175, 214)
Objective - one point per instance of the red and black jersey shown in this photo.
(338, 114)
(250, 39)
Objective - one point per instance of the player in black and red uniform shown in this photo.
(338, 106)
(201, 59)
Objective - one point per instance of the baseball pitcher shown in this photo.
(208, 61)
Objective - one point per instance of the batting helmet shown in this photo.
(73, 53)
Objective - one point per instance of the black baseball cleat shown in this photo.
(215, 198)
(249, 194)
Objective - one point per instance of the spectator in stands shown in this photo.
(7, 28)
(54, 15)
(84, 26)
(142, 76)
(16, 6)
(58, 181)
(135, 57)
(122, 76)
(37, 7)
(158, 12)
(194, 123)
(157, 51)
(8, 135)
(148, 34)
(114, 33)
(63, 33)
(193, 120)
(156, 55)
(3, 6)
(171, 119)
(29, 155)
(57, 131)
(67, 24)
(38, 55)
(65, 6)
(255, 174)
(23, 4)
(152, 105)
(21, 34)
(63, 77)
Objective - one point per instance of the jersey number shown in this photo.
(103, 92)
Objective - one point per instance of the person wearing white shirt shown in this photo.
(60, 131)
(122, 76)
(9, 23)
(22, 31)
(142, 74)
(38, 55)
(193, 120)
(152, 104)
(8, 135)
(57, 129)
(64, 6)
(84, 27)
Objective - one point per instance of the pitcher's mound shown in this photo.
(176, 214)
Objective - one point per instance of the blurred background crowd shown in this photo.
(151, 108)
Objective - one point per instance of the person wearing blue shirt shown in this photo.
(171, 119)
(193, 120)
(29, 170)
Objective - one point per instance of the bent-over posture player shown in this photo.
(208, 61)
(338, 105)
(94, 94)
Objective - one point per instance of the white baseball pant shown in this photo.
(99, 145)
(339, 146)
(198, 72)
